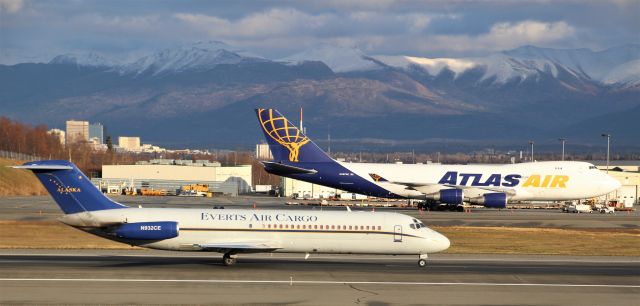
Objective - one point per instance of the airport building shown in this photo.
(171, 175)
(627, 172)
(77, 131)
(293, 188)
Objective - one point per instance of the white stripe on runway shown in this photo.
(307, 282)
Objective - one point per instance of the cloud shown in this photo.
(11, 6)
(506, 35)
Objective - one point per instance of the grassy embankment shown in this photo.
(16, 182)
(465, 240)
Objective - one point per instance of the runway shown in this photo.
(151, 277)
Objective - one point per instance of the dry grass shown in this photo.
(464, 240)
(547, 241)
(17, 182)
(50, 235)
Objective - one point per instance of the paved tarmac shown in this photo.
(154, 277)
(44, 208)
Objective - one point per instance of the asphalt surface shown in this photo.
(153, 277)
(44, 208)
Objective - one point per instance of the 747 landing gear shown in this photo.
(422, 261)
(229, 259)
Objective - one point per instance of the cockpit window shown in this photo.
(413, 226)
(593, 167)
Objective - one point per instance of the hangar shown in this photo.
(172, 174)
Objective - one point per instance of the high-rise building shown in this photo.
(129, 143)
(60, 134)
(263, 152)
(77, 131)
(96, 130)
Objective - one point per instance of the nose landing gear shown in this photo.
(422, 260)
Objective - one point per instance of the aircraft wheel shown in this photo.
(227, 260)
(422, 263)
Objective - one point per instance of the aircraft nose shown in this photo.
(612, 184)
(438, 243)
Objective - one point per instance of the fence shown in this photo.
(18, 156)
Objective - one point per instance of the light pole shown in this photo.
(531, 143)
(563, 140)
(608, 146)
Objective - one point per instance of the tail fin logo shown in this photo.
(284, 133)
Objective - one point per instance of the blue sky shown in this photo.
(124, 30)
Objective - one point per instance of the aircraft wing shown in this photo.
(431, 187)
(241, 246)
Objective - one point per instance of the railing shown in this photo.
(18, 156)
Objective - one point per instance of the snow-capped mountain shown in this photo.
(200, 56)
(619, 65)
(88, 59)
(339, 59)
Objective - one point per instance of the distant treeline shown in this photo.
(35, 141)
(22, 138)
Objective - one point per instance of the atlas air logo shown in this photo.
(284, 133)
(498, 180)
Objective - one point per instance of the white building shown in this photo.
(129, 143)
(77, 131)
(185, 172)
(263, 152)
(60, 134)
(306, 190)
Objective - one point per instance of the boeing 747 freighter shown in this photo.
(296, 156)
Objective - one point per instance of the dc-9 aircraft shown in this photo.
(233, 231)
(296, 156)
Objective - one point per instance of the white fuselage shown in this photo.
(546, 181)
(291, 231)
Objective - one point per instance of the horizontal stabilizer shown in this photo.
(282, 169)
(44, 167)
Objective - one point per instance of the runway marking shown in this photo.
(381, 257)
(307, 282)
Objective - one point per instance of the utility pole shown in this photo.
(531, 143)
(563, 140)
(608, 146)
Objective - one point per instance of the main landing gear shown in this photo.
(422, 260)
(229, 259)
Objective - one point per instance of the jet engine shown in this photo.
(449, 196)
(491, 200)
(147, 230)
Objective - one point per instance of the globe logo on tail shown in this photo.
(284, 133)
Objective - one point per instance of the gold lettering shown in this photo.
(532, 181)
(560, 181)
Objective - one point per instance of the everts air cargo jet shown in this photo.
(233, 231)
(296, 156)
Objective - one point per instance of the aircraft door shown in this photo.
(397, 233)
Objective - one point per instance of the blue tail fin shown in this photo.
(69, 187)
(286, 141)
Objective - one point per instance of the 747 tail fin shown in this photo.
(287, 143)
